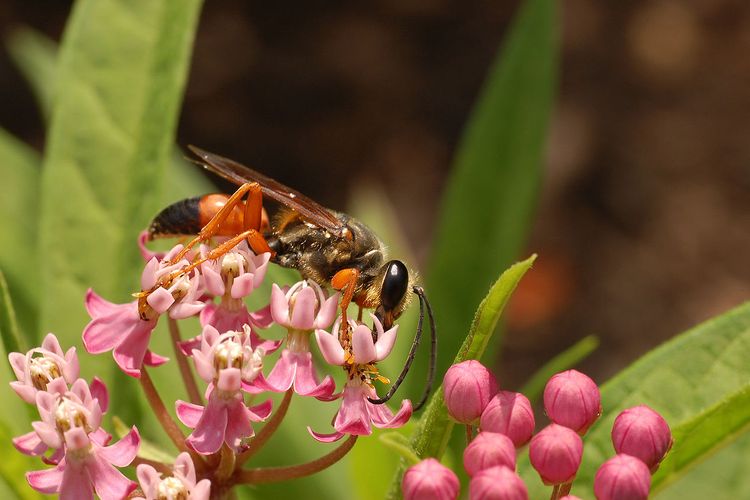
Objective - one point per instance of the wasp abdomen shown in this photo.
(178, 219)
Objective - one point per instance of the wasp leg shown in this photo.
(345, 281)
(212, 227)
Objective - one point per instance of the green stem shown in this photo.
(277, 474)
(187, 375)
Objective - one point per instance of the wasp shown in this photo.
(329, 247)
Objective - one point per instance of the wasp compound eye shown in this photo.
(395, 283)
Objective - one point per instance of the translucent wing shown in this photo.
(239, 174)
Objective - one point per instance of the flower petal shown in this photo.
(209, 433)
(282, 375)
(383, 418)
(385, 342)
(305, 380)
(330, 348)
(124, 451)
(188, 413)
(363, 348)
(325, 438)
(108, 481)
(262, 317)
(279, 305)
(327, 312)
(48, 480)
(30, 444)
(303, 312)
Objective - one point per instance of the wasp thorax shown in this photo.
(172, 488)
(69, 414)
(43, 370)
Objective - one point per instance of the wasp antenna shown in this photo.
(433, 346)
(413, 352)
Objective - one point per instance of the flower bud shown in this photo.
(468, 387)
(509, 413)
(497, 483)
(572, 399)
(622, 477)
(487, 450)
(555, 452)
(642, 433)
(570, 497)
(429, 480)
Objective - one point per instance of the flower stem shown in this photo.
(276, 474)
(555, 492)
(267, 431)
(469, 433)
(165, 419)
(187, 375)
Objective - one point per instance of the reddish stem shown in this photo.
(187, 375)
(160, 467)
(267, 431)
(276, 474)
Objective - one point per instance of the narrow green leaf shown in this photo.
(121, 72)
(567, 359)
(19, 168)
(36, 56)
(697, 378)
(491, 193)
(435, 427)
(12, 341)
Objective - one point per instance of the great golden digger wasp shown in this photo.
(328, 247)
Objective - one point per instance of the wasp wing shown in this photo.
(239, 174)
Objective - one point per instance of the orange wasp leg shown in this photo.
(212, 227)
(345, 280)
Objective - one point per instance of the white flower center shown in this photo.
(43, 370)
(69, 414)
(172, 488)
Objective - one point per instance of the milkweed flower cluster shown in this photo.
(505, 421)
(229, 356)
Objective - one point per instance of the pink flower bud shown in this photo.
(570, 497)
(622, 477)
(497, 483)
(572, 399)
(487, 450)
(555, 452)
(642, 433)
(429, 480)
(468, 387)
(509, 413)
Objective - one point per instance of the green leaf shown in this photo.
(36, 56)
(435, 426)
(703, 435)
(698, 382)
(121, 73)
(19, 168)
(491, 194)
(567, 359)
(12, 341)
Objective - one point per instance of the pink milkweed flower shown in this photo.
(300, 309)
(622, 477)
(180, 485)
(40, 366)
(32, 443)
(509, 413)
(126, 331)
(572, 399)
(70, 423)
(430, 480)
(357, 414)
(230, 365)
(643, 433)
(468, 387)
(497, 483)
(556, 452)
(489, 449)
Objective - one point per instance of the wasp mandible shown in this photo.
(328, 247)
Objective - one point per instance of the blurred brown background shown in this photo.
(643, 226)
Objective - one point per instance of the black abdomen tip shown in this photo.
(178, 219)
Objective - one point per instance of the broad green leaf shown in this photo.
(696, 381)
(19, 168)
(36, 56)
(490, 196)
(703, 435)
(435, 426)
(567, 359)
(120, 76)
